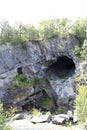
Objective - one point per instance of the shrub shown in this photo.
(22, 81)
(36, 112)
(11, 113)
(81, 103)
(3, 123)
(21, 78)
(77, 51)
(46, 102)
(84, 50)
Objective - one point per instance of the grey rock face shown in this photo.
(36, 60)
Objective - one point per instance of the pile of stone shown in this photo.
(59, 119)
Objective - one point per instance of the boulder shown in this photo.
(58, 120)
(41, 119)
(19, 117)
(61, 118)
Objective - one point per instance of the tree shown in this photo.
(64, 27)
(6, 32)
(78, 29)
(18, 33)
(30, 33)
(48, 29)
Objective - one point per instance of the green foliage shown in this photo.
(77, 51)
(36, 112)
(78, 29)
(6, 32)
(41, 81)
(11, 112)
(30, 33)
(84, 51)
(48, 29)
(2, 116)
(81, 52)
(59, 111)
(81, 103)
(22, 81)
(64, 28)
(3, 123)
(21, 78)
(46, 102)
(78, 78)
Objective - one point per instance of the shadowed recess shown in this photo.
(63, 67)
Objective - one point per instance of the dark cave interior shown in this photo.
(63, 67)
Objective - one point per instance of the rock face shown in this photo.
(54, 59)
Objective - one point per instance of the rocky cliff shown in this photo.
(53, 59)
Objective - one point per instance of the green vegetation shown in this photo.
(78, 78)
(47, 29)
(59, 111)
(22, 81)
(10, 113)
(81, 51)
(36, 112)
(84, 50)
(46, 102)
(3, 122)
(77, 51)
(42, 82)
(79, 29)
(81, 103)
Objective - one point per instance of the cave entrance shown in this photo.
(64, 67)
(19, 70)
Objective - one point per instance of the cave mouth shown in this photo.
(19, 70)
(64, 67)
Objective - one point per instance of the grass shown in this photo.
(46, 102)
(59, 111)
(22, 81)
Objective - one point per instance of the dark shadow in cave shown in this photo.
(64, 67)
(19, 70)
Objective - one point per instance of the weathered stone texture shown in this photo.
(35, 60)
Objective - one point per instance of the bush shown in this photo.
(22, 81)
(11, 113)
(46, 102)
(3, 122)
(81, 103)
(77, 51)
(84, 50)
(59, 111)
(36, 112)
